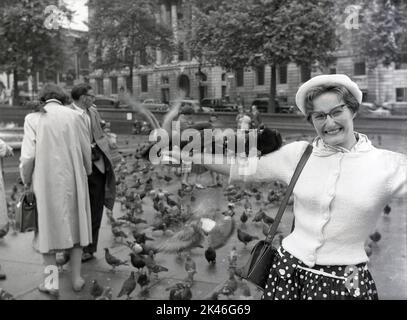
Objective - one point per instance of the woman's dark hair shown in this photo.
(52, 91)
(341, 91)
(80, 90)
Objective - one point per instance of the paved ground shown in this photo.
(24, 268)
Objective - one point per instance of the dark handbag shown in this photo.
(26, 213)
(257, 268)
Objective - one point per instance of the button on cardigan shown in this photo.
(338, 197)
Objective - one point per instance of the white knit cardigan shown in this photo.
(338, 197)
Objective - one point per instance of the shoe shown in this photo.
(2, 275)
(80, 287)
(51, 292)
(86, 256)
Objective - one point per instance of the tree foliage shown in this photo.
(26, 45)
(242, 33)
(380, 36)
(123, 30)
(254, 32)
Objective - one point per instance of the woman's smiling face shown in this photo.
(335, 129)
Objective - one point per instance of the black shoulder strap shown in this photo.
(273, 228)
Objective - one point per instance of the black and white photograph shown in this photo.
(226, 151)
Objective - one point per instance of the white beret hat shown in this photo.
(326, 79)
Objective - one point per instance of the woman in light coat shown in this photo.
(56, 159)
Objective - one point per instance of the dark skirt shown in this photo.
(288, 281)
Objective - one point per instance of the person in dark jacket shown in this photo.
(102, 181)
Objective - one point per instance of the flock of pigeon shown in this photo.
(180, 224)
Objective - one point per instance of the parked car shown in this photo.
(399, 108)
(220, 105)
(373, 110)
(262, 106)
(154, 105)
(194, 104)
(103, 102)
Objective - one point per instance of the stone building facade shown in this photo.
(182, 76)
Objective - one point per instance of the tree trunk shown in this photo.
(273, 86)
(16, 99)
(131, 75)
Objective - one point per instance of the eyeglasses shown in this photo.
(90, 96)
(335, 113)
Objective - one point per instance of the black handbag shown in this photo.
(26, 213)
(257, 268)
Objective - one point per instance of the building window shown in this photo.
(332, 70)
(359, 68)
(202, 76)
(223, 76)
(181, 52)
(144, 83)
(401, 94)
(402, 62)
(305, 73)
(143, 58)
(165, 80)
(260, 75)
(283, 74)
(99, 85)
(203, 92)
(165, 95)
(128, 84)
(240, 77)
(364, 95)
(223, 91)
(113, 82)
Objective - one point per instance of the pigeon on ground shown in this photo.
(96, 290)
(245, 237)
(113, 261)
(210, 255)
(128, 286)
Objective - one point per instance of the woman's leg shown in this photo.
(76, 264)
(49, 259)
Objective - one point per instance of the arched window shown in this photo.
(165, 80)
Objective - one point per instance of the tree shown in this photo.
(378, 36)
(122, 30)
(256, 32)
(26, 45)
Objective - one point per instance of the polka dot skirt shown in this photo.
(287, 281)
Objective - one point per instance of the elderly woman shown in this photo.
(55, 160)
(338, 197)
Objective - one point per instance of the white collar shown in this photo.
(363, 144)
(78, 108)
